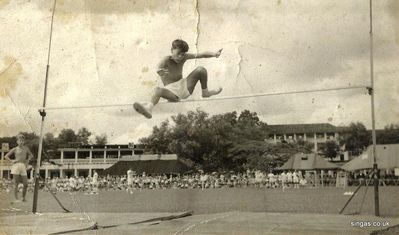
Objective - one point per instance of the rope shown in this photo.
(209, 99)
(78, 203)
(54, 196)
(96, 227)
(354, 193)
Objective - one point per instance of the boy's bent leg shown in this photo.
(200, 74)
(163, 93)
(146, 108)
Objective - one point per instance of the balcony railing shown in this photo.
(87, 161)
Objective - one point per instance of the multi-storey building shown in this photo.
(316, 133)
(82, 160)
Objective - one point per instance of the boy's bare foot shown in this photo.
(208, 93)
(23, 200)
(144, 109)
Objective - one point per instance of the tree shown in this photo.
(305, 144)
(330, 149)
(261, 155)
(160, 139)
(67, 136)
(190, 137)
(50, 143)
(390, 135)
(356, 138)
(249, 126)
(11, 141)
(220, 142)
(83, 135)
(101, 139)
(248, 118)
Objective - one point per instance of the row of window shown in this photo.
(302, 136)
(95, 154)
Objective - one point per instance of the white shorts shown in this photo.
(18, 168)
(179, 88)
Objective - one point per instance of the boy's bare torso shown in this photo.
(175, 70)
(21, 154)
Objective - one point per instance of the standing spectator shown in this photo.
(130, 175)
(217, 181)
(19, 165)
(203, 179)
(72, 184)
(283, 179)
(295, 179)
(81, 183)
(258, 178)
(234, 179)
(222, 180)
(157, 181)
(95, 182)
(53, 184)
(289, 179)
(308, 177)
(272, 180)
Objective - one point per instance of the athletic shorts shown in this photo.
(179, 88)
(18, 168)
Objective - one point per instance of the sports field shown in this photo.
(214, 211)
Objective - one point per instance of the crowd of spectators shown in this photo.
(201, 180)
(366, 177)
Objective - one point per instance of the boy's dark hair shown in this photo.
(180, 44)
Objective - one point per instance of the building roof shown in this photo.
(303, 128)
(80, 146)
(310, 161)
(149, 167)
(143, 157)
(387, 158)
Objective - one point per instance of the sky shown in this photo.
(105, 52)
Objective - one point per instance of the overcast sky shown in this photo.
(105, 52)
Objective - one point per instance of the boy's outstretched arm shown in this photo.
(204, 55)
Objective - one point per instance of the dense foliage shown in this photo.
(221, 142)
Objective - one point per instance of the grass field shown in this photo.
(304, 205)
(327, 200)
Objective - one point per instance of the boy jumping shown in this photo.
(18, 169)
(175, 88)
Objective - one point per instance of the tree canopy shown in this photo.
(356, 138)
(220, 142)
(390, 135)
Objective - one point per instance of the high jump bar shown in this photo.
(210, 99)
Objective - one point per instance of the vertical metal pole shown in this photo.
(371, 91)
(42, 114)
